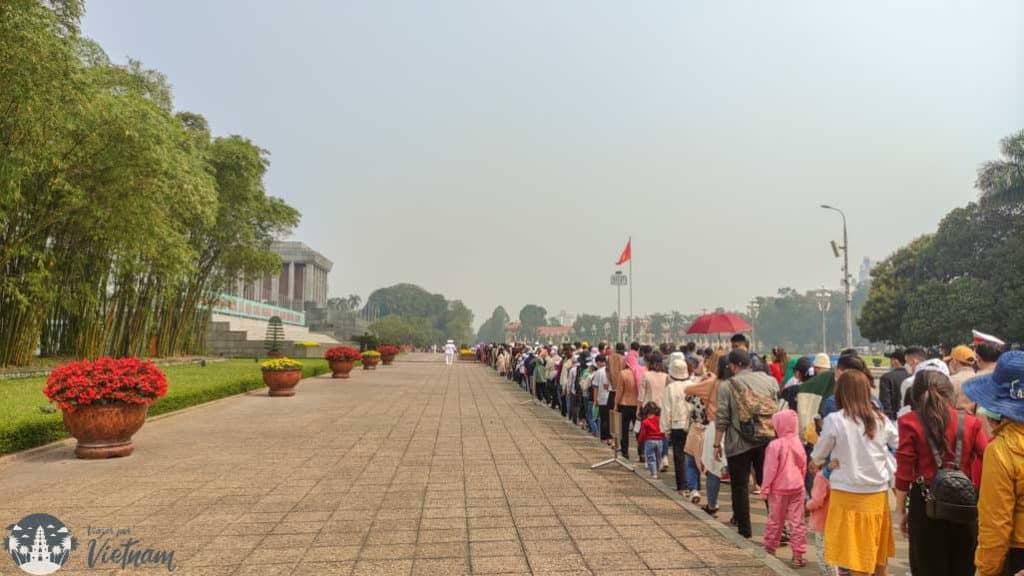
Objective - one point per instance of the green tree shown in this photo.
(1002, 180)
(532, 317)
(493, 329)
(458, 322)
(116, 215)
(408, 300)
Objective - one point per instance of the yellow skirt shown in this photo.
(858, 531)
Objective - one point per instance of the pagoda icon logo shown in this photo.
(40, 544)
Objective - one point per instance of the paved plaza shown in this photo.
(411, 469)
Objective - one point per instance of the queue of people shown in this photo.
(822, 445)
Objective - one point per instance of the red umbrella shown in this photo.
(718, 324)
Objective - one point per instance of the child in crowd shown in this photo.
(818, 508)
(652, 438)
(785, 466)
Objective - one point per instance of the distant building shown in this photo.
(554, 334)
(301, 283)
(865, 271)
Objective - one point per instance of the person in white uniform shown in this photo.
(449, 352)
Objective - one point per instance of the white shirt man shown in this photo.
(449, 353)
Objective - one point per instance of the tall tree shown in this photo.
(110, 204)
(1002, 180)
(493, 329)
(532, 317)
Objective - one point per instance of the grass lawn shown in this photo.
(24, 425)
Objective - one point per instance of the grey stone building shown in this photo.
(301, 283)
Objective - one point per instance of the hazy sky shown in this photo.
(501, 153)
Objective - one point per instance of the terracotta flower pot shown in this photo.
(370, 363)
(387, 359)
(105, 430)
(341, 368)
(281, 382)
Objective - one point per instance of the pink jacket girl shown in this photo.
(785, 466)
(785, 461)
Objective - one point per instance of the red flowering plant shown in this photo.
(342, 353)
(387, 350)
(105, 381)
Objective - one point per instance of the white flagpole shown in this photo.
(632, 332)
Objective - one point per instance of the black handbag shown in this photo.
(951, 496)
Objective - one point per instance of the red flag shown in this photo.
(627, 253)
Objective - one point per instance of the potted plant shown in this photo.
(370, 359)
(341, 359)
(387, 354)
(466, 354)
(274, 339)
(281, 375)
(105, 402)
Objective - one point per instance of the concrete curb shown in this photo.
(772, 563)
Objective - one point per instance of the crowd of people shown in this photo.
(825, 448)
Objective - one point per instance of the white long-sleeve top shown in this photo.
(866, 465)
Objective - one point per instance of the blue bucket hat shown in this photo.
(1001, 391)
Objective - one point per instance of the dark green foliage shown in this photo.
(446, 319)
(531, 317)
(275, 335)
(119, 219)
(966, 275)
(493, 329)
(366, 341)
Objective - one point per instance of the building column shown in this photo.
(291, 286)
(274, 287)
(320, 285)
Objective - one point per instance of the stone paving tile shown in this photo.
(450, 474)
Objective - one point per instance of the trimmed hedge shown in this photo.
(24, 425)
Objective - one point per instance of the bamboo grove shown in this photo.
(119, 218)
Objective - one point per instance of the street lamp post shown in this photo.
(619, 280)
(846, 275)
(824, 305)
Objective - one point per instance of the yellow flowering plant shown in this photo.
(308, 344)
(280, 365)
(371, 354)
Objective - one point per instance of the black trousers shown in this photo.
(627, 415)
(740, 466)
(603, 413)
(678, 440)
(1014, 561)
(937, 547)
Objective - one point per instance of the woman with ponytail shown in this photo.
(937, 547)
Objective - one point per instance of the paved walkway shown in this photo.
(898, 566)
(412, 469)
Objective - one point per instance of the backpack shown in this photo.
(754, 412)
(951, 496)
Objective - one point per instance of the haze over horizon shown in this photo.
(503, 153)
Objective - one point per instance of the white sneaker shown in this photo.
(654, 476)
(695, 496)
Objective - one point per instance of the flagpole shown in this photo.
(632, 333)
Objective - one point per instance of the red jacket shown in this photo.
(650, 429)
(914, 457)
